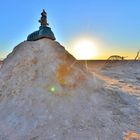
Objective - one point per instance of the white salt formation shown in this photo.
(45, 94)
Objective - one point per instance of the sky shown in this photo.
(113, 25)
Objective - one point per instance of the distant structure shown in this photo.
(137, 56)
(44, 31)
(116, 57)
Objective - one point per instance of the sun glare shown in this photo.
(84, 50)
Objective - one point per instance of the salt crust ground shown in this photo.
(85, 105)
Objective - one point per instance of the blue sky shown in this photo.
(114, 24)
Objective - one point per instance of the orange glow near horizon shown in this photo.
(91, 48)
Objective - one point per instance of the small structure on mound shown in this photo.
(44, 31)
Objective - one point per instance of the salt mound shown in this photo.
(43, 64)
(45, 94)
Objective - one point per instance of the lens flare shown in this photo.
(52, 89)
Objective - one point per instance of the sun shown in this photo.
(84, 50)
